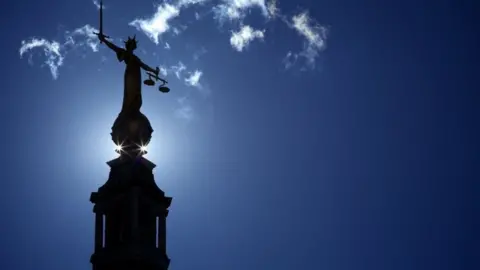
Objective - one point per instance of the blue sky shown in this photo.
(297, 134)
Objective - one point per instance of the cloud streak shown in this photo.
(55, 52)
(178, 69)
(240, 40)
(194, 78)
(315, 37)
(184, 110)
(232, 10)
(83, 36)
(272, 8)
(197, 54)
(159, 23)
(51, 50)
(97, 4)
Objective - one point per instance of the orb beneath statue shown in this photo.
(132, 131)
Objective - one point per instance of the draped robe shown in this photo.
(132, 92)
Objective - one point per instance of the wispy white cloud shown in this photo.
(186, 3)
(51, 50)
(167, 46)
(237, 9)
(224, 12)
(272, 8)
(97, 4)
(176, 31)
(159, 23)
(189, 77)
(290, 60)
(163, 70)
(240, 40)
(179, 29)
(312, 31)
(55, 51)
(315, 36)
(197, 54)
(178, 69)
(194, 78)
(184, 110)
(83, 36)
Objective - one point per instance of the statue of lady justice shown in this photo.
(131, 127)
(132, 92)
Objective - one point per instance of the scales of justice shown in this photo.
(131, 131)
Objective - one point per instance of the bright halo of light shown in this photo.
(118, 147)
(143, 148)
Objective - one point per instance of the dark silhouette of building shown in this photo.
(130, 209)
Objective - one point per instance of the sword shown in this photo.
(100, 32)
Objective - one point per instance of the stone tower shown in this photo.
(130, 209)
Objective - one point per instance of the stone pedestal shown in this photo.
(130, 209)
(130, 219)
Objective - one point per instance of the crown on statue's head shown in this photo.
(131, 43)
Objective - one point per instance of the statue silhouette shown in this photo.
(131, 128)
(132, 93)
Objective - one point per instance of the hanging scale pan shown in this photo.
(164, 89)
(149, 82)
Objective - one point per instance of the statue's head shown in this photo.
(131, 44)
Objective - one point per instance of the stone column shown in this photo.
(98, 231)
(162, 232)
(134, 215)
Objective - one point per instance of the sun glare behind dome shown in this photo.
(118, 148)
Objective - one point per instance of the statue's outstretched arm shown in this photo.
(112, 46)
(147, 67)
